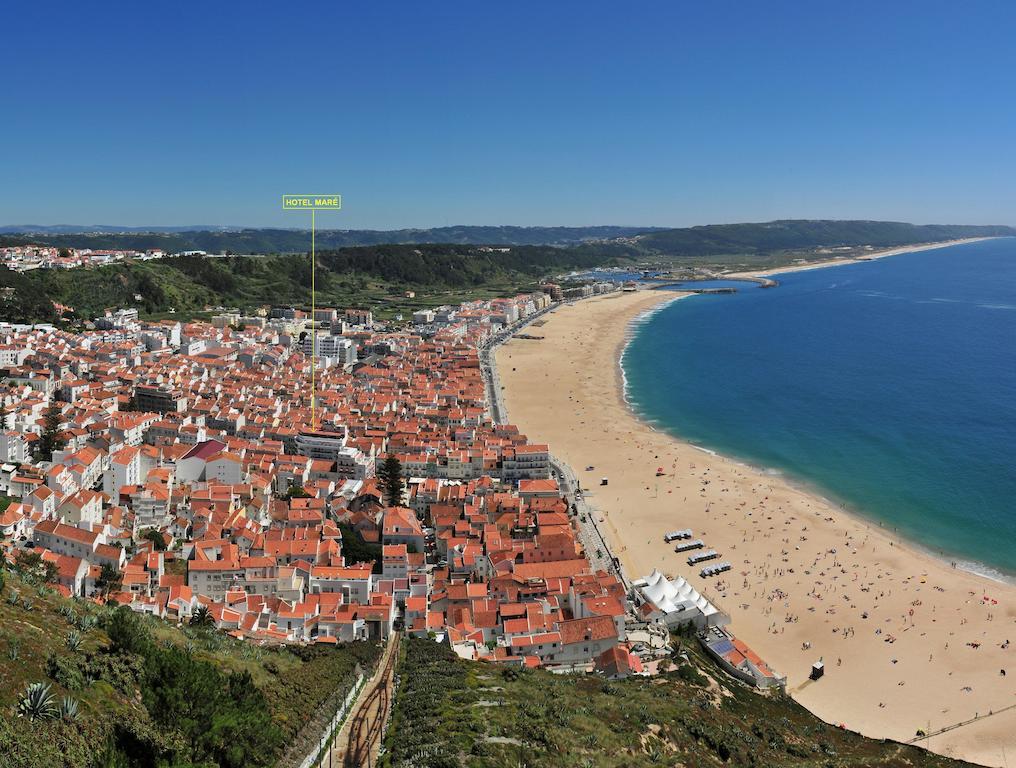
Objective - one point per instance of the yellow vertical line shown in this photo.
(313, 321)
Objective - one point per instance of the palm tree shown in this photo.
(37, 703)
(202, 617)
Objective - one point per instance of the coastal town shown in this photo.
(186, 469)
(25, 258)
(529, 386)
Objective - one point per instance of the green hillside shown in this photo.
(368, 275)
(150, 695)
(376, 276)
(803, 234)
(455, 714)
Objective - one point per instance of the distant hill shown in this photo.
(77, 229)
(803, 234)
(263, 241)
(693, 242)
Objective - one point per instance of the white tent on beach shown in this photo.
(678, 602)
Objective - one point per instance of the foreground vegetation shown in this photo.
(84, 685)
(455, 714)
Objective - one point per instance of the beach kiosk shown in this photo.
(603, 481)
(817, 670)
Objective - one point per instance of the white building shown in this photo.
(124, 469)
(354, 583)
(13, 447)
(193, 465)
(335, 348)
(225, 467)
(350, 463)
(321, 444)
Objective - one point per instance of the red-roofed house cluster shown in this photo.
(193, 473)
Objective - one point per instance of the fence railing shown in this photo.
(320, 752)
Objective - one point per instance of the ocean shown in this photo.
(886, 386)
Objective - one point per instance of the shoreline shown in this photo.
(956, 560)
(873, 256)
(885, 689)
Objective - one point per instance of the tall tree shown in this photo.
(110, 579)
(3, 406)
(389, 478)
(50, 439)
(155, 536)
(297, 492)
(32, 564)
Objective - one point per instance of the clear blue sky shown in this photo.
(431, 113)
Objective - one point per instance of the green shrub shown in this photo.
(65, 672)
(690, 674)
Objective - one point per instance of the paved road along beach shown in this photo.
(908, 641)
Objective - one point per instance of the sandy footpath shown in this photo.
(908, 641)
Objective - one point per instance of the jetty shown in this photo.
(684, 284)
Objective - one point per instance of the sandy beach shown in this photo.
(872, 256)
(908, 641)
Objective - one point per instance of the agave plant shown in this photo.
(85, 622)
(68, 709)
(37, 703)
(74, 641)
(12, 598)
(14, 649)
(27, 604)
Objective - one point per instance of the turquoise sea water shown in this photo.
(889, 386)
